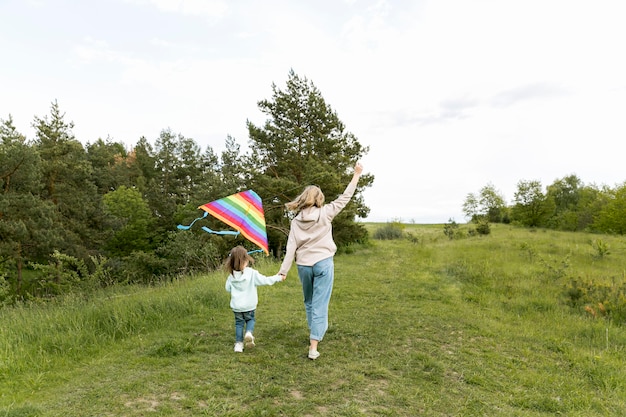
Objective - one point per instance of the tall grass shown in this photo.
(425, 326)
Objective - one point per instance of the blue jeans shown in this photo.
(317, 287)
(242, 319)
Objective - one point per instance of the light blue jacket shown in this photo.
(242, 288)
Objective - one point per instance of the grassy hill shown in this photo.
(424, 326)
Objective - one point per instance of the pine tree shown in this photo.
(304, 142)
(28, 225)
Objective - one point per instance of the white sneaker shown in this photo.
(313, 354)
(239, 347)
(249, 339)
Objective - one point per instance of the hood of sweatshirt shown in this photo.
(308, 217)
(240, 277)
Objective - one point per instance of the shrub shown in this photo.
(601, 248)
(142, 268)
(389, 231)
(482, 227)
(412, 238)
(5, 289)
(452, 230)
(599, 299)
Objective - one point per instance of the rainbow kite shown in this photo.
(242, 211)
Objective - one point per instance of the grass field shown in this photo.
(424, 326)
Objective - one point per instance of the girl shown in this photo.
(241, 284)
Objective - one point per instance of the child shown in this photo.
(241, 284)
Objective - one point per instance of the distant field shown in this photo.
(420, 326)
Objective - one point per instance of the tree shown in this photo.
(67, 179)
(303, 142)
(470, 207)
(112, 166)
(488, 205)
(591, 202)
(232, 174)
(530, 207)
(612, 217)
(565, 194)
(20, 164)
(176, 172)
(28, 224)
(132, 221)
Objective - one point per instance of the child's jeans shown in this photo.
(245, 318)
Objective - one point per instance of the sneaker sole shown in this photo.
(249, 342)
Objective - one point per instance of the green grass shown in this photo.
(420, 327)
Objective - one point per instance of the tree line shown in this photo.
(74, 216)
(567, 204)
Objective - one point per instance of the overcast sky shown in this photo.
(449, 95)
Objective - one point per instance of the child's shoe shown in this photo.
(249, 339)
(239, 347)
(313, 354)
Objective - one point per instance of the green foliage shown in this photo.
(567, 204)
(605, 299)
(62, 275)
(303, 142)
(188, 252)
(452, 230)
(67, 182)
(556, 268)
(531, 205)
(112, 165)
(489, 204)
(601, 248)
(101, 275)
(5, 287)
(120, 206)
(141, 268)
(612, 217)
(529, 251)
(132, 221)
(482, 227)
(390, 231)
(20, 165)
(565, 195)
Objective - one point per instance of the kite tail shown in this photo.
(223, 232)
(181, 227)
(255, 251)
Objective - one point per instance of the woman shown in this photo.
(311, 245)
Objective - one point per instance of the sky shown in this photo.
(449, 95)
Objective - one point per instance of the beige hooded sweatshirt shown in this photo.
(311, 235)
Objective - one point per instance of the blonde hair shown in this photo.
(311, 196)
(237, 260)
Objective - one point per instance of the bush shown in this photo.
(142, 268)
(599, 299)
(482, 227)
(452, 230)
(601, 248)
(5, 290)
(389, 231)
